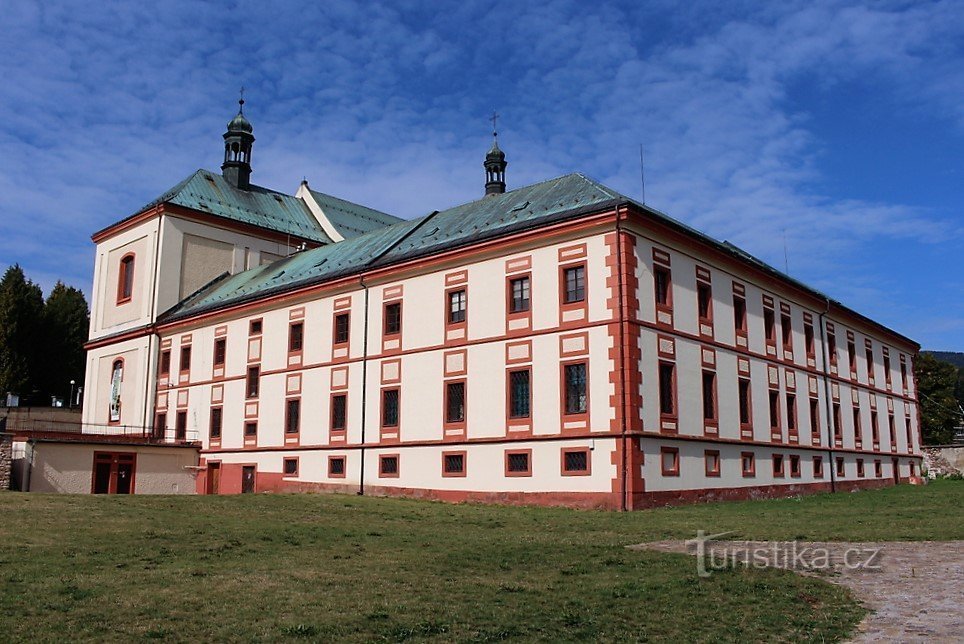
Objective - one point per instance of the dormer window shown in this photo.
(125, 279)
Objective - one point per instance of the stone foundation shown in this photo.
(5, 460)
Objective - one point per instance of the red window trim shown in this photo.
(713, 472)
(674, 416)
(460, 424)
(381, 466)
(385, 305)
(126, 269)
(344, 466)
(673, 469)
(511, 421)
(818, 467)
(794, 466)
(570, 450)
(563, 416)
(779, 466)
(160, 364)
(110, 380)
(296, 353)
(509, 452)
(251, 323)
(841, 467)
(286, 459)
(711, 426)
(181, 368)
(331, 414)
(568, 307)
(708, 320)
(776, 422)
(465, 464)
(747, 427)
(668, 307)
(334, 328)
(449, 325)
(748, 457)
(293, 435)
(514, 316)
(215, 439)
(396, 428)
(861, 472)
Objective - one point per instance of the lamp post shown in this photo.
(70, 401)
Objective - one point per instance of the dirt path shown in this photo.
(915, 590)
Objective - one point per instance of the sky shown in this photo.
(825, 137)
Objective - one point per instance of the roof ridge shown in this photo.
(354, 203)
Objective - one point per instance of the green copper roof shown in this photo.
(209, 192)
(489, 217)
(352, 219)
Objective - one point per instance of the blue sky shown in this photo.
(837, 126)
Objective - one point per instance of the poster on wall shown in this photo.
(115, 392)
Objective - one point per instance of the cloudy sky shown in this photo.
(827, 137)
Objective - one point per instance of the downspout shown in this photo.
(624, 489)
(29, 445)
(150, 405)
(364, 389)
(825, 360)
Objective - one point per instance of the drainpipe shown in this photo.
(150, 407)
(624, 466)
(825, 359)
(29, 445)
(364, 389)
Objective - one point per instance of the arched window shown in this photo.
(116, 377)
(125, 280)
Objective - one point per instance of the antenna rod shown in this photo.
(642, 173)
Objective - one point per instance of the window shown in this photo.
(165, 364)
(748, 464)
(841, 472)
(874, 428)
(870, 364)
(892, 426)
(786, 329)
(290, 467)
(519, 405)
(815, 418)
(453, 464)
(575, 387)
(160, 425)
(251, 429)
(791, 413)
(769, 326)
(393, 318)
(518, 463)
(860, 468)
(711, 459)
(255, 327)
(457, 304)
(519, 295)
(254, 381)
(574, 283)
(575, 461)
(837, 423)
(388, 465)
(794, 466)
(296, 337)
(125, 280)
(216, 421)
(852, 356)
(220, 351)
(903, 376)
(818, 467)
(667, 395)
(808, 338)
(739, 315)
(663, 286)
(293, 416)
(455, 402)
(858, 430)
(180, 425)
(336, 466)
(832, 347)
(778, 466)
(669, 461)
(342, 326)
(390, 408)
(339, 408)
(709, 395)
(774, 409)
(887, 370)
(878, 470)
(185, 359)
(907, 431)
(704, 301)
(744, 401)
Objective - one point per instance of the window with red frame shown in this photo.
(393, 318)
(125, 281)
(739, 314)
(662, 286)
(296, 337)
(704, 301)
(667, 388)
(220, 351)
(574, 284)
(709, 395)
(293, 416)
(519, 295)
(669, 461)
(339, 408)
(342, 327)
(458, 303)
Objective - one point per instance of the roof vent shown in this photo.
(431, 232)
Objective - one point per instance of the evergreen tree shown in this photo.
(21, 315)
(936, 382)
(66, 323)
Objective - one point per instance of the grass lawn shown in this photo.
(317, 567)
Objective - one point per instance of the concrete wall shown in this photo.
(42, 418)
(68, 468)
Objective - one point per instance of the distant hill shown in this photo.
(956, 358)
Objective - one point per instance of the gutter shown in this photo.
(151, 357)
(364, 391)
(825, 359)
(624, 466)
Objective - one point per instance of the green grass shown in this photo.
(318, 567)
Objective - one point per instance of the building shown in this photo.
(559, 343)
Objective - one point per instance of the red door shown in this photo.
(214, 478)
(113, 473)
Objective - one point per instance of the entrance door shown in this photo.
(247, 479)
(113, 473)
(214, 478)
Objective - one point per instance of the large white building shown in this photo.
(558, 343)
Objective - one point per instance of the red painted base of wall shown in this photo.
(275, 482)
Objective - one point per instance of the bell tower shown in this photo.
(495, 164)
(237, 150)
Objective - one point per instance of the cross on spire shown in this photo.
(494, 118)
(241, 100)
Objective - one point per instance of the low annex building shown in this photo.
(558, 343)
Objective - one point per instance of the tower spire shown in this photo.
(494, 163)
(238, 141)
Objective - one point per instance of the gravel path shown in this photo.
(915, 590)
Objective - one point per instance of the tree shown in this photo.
(936, 383)
(66, 323)
(21, 313)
